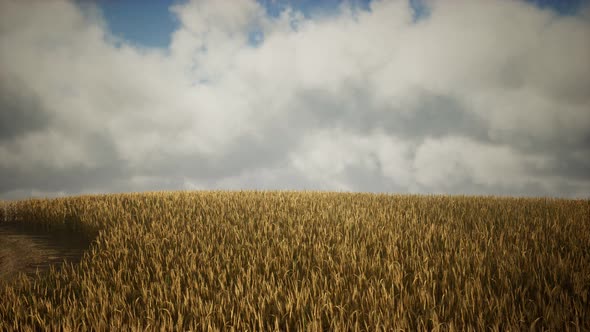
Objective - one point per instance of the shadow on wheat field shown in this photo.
(25, 249)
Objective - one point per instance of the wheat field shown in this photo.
(307, 261)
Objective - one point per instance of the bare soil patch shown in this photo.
(28, 250)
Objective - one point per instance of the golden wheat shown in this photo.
(310, 261)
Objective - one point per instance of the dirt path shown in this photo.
(25, 250)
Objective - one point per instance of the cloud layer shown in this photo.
(479, 97)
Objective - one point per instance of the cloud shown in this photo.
(477, 97)
(22, 111)
(458, 158)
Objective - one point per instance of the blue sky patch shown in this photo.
(150, 23)
(145, 23)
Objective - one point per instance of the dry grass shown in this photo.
(309, 261)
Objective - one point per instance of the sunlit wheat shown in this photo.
(313, 261)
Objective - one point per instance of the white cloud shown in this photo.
(331, 103)
(447, 162)
(212, 33)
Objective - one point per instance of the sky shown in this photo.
(480, 97)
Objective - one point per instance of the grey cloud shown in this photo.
(71, 179)
(280, 178)
(568, 165)
(247, 152)
(467, 186)
(432, 115)
(365, 180)
(570, 159)
(21, 110)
